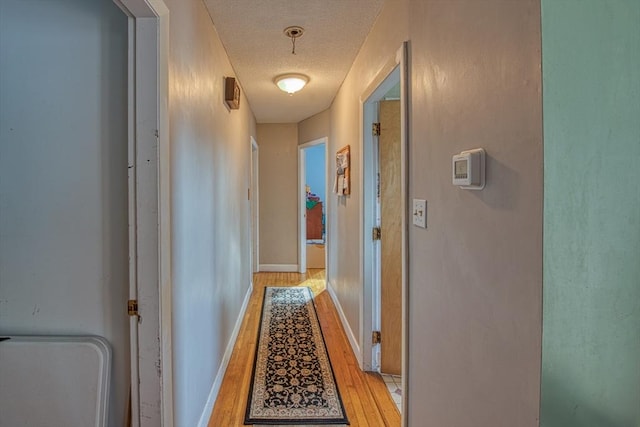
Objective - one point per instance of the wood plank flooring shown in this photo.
(364, 394)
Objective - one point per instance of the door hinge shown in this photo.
(376, 233)
(375, 337)
(132, 307)
(375, 129)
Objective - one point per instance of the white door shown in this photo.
(149, 214)
(385, 86)
(255, 209)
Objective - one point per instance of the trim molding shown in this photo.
(345, 324)
(293, 268)
(215, 388)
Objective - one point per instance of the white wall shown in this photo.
(63, 175)
(210, 164)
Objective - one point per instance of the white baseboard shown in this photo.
(217, 383)
(345, 324)
(279, 267)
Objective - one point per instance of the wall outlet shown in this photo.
(419, 213)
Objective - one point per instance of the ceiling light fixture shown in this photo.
(291, 83)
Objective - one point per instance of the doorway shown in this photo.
(255, 214)
(312, 191)
(384, 118)
(96, 164)
(150, 286)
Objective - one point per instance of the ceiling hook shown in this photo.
(293, 33)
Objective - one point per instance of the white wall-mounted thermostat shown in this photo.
(468, 169)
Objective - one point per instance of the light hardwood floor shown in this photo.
(364, 394)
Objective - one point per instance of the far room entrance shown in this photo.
(312, 179)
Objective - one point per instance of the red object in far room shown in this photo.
(314, 222)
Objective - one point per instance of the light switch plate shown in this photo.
(419, 213)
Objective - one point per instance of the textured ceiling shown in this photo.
(252, 33)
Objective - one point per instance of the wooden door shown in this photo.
(391, 243)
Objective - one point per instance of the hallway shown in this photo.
(132, 207)
(364, 395)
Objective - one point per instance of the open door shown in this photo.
(391, 210)
(312, 190)
(384, 225)
(255, 215)
(149, 305)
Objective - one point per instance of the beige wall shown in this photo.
(476, 271)
(474, 313)
(344, 214)
(278, 176)
(210, 149)
(315, 127)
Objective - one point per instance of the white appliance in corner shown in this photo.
(54, 381)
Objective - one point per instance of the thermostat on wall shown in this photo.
(467, 169)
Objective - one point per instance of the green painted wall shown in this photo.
(591, 314)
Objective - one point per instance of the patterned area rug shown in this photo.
(292, 381)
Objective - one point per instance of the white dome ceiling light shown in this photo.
(291, 83)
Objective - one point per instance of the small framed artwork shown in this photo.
(342, 185)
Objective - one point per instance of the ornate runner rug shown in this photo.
(292, 381)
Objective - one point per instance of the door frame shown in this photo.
(254, 194)
(149, 191)
(396, 70)
(302, 202)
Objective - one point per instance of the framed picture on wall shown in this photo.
(342, 185)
